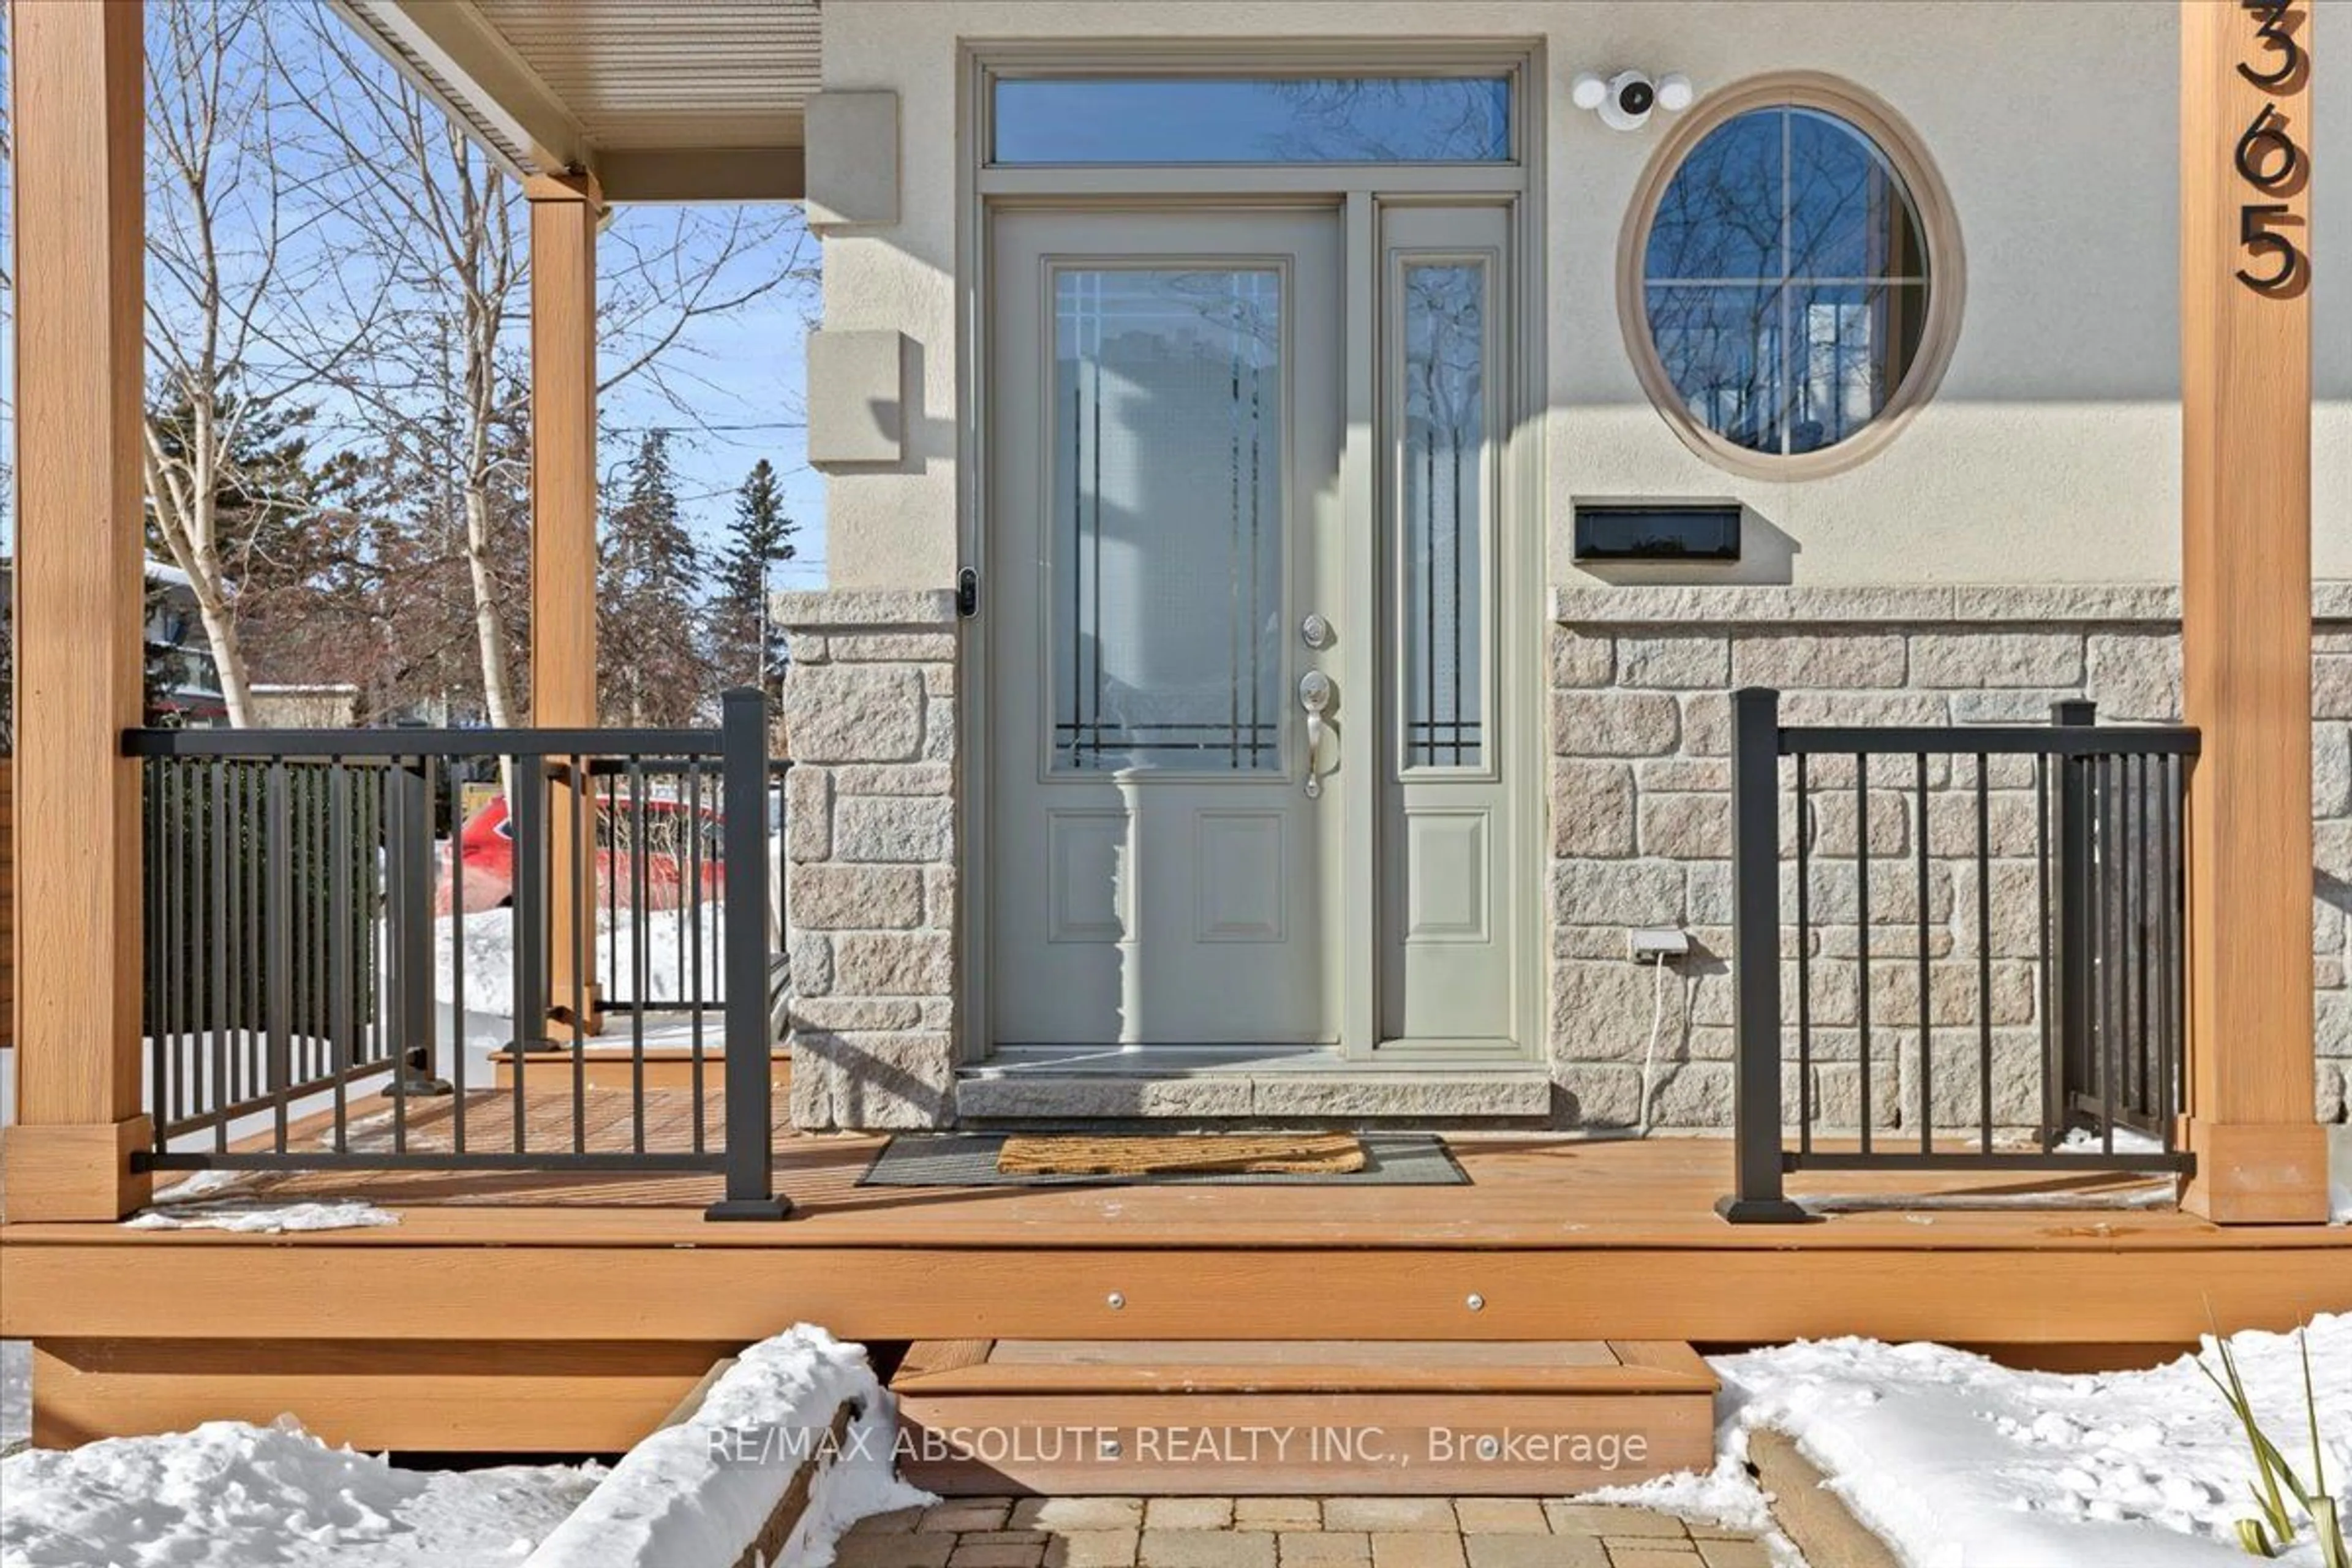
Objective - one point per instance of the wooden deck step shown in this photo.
(1302, 1419)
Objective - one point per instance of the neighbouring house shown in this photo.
(1770, 573)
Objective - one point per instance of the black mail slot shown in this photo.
(1657, 531)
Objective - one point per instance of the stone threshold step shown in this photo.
(1302, 1419)
(1408, 1094)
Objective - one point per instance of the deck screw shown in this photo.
(1488, 1447)
(1476, 1303)
(1117, 1301)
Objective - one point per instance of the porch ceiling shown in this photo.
(662, 103)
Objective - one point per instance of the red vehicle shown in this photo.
(671, 857)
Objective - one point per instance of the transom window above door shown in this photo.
(1793, 279)
(1140, 120)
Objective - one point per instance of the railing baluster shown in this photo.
(527, 925)
(1804, 957)
(461, 1042)
(1927, 1003)
(1984, 953)
(1861, 928)
(641, 927)
(278, 958)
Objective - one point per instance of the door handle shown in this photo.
(1315, 693)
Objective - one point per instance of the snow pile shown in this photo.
(697, 1495)
(228, 1495)
(15, 1392)
(208, 1200)
(1956, 1460)
(672, 936)
(255, 1217)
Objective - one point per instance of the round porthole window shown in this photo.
(1791, 277)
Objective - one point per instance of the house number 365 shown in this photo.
(2268, 159)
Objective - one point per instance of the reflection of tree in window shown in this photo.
(1785, 280)
(1444, 511)
(1388, 120)
(1167, 554)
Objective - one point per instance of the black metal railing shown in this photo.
(318, 903)
(1982, 927)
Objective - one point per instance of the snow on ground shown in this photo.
(15, 1393)
(672, 937)
(229, 1495)
(699, 1492)
(1962, 1463)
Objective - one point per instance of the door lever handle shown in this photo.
(1315, 693)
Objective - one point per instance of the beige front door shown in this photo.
(1165, 854)
(1244, 781)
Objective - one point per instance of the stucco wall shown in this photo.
(2052, 449)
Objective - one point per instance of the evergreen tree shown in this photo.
(749, 648)
(652, 669)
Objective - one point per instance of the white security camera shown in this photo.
(1626, 99)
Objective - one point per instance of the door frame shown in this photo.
(1358, 191)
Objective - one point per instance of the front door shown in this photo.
(1166, 860)
(1244, 781)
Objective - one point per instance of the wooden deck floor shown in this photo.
(537, 1277)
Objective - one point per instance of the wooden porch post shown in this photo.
(2245, 395)
(80, 612)
(564, 210)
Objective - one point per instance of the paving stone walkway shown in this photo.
(1278, 1532)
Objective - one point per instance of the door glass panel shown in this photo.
(1167, 566)
(1443, 502)
(1299, 120)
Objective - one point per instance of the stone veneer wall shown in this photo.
(871, 829)
(1640, 822)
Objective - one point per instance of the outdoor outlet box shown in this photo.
(1657, 944)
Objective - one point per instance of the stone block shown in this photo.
(1674, 660)
(2331, 686)
(894, 648)
(1613, 723)
(1686, 827)
(1617, 892)
(1967, 658)
(1683, 775)
(1594, 1095)
(811, 954)
(854, 713)
(881, 1079)
(905, 829)
(838, 1014)
(2331, 770)
(893, 778)
(1591, 808)
(2135, 676)
(808, 813)
(1789, 661)
(1578, 659)
(893, 963)
(938, 730)
(836, 897)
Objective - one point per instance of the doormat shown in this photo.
(1254, 1153)
(971, 1160)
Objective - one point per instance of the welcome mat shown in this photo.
(972, 1159)
(1257, 1153)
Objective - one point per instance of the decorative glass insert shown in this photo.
(1443, 504)
(1267, 120)
(1168, 521)
(1785, 280)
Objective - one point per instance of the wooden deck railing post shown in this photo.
(743, 773)
(2245, 602)
(564, 210)
(1760, 1197)
(80, 590)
